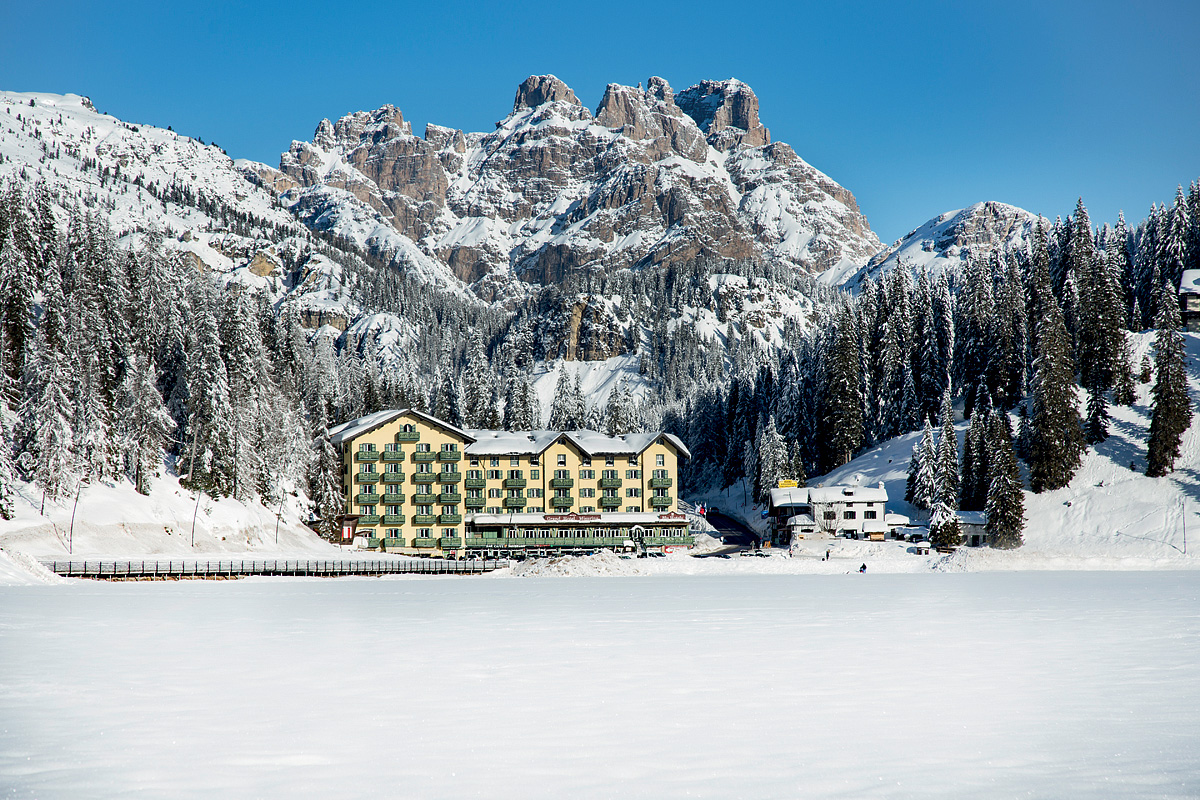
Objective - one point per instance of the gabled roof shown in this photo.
(503, 443)
(357, 427)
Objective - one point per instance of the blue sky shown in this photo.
(917, 108)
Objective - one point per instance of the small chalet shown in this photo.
(851, 511)
(1189, 299)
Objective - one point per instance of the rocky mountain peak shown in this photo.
(651, 114)
(539, 89)
(727, 111)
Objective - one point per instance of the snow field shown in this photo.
(1074, 685)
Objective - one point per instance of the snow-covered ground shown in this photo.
(112, 519)
(1080, 685)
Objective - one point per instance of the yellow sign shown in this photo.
(788, 485)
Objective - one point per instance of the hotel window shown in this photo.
(449, 509)
(533, 461)
(366, 448)
(633, 492)
(870, 515)
(610, 493)
(451, 467)
(424, 466)
(533, 493)
(474, 474)
(366, 467)
(660, 473)
(514, 492)
(587, 474)
(424, 533)
(494, 474)
(391, 447)
(449, 448)
(633, 509)
(562, 473)
(495, 493)
(562, 492)
(393, 468)
(587, 509)
(425, 511)
(368, 488)
(474, 492)
(850, 515)
(633, 460)
(610, 461)
(423, 447)
(587, 462)
(535, 474)
(514, 462)
(660, 460)
(474, 461)
(537, 510)
(562, 459)
(587, 492)
(516, 474)
(450, 533)
(633, 474)
(367, 510)
(660, 492)
(494, 462)
(494, 510)
(395, 510)
(393, 533)
(608, 473)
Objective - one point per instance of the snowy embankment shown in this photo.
(113, 520)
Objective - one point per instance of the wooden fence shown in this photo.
(137, 569)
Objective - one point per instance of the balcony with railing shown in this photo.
(423, 519)
(661, 502)
(562, 502)
(660, 483)
(610, 502)
(475, 483)
(367, 477)
(393, 542)
(393, 519)
(514, 483)
(451, 542)
(514, 502)
(393, 455)
(424, 499)
(449, 455)
(446, 498)
(424, 477)
(366, 455)
(368, 519)
(423, 456)
(610, 483)
(425, 542)
(474, 502)
(393, 499)
(408, 436)
(449, 519)
(562, 483)
(449, 477)
(365, 498)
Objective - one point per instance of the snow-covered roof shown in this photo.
(1189, 282)
(499, 443)
(626, 518)
(847, 494)
(357, 427)
(789, 497)
(801, 519)
(593, 443)
(896, 520)
(972, 517)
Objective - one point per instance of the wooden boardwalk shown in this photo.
(219, 569)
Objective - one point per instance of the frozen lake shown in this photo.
(1028, 684)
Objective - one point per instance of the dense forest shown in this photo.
(117, 359)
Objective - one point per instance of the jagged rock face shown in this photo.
(654, 177)
(727, 111)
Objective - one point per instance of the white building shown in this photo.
(853, 511)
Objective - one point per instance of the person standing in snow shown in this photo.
(863, 568)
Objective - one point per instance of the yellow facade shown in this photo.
(414, 482)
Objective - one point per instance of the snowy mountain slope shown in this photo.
(555, 189)
(207, 208)
(944, 243)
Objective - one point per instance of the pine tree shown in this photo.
(772, 459)
(1123, 387)
(843, 413)
(925, 484)
(1096, 425)
(944, 529)
(142, 424)
(1056, 435)
(1172, 408)
(946, 470)
(1005, 496)
(565, 411)
(324, 481)
(209, 451)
